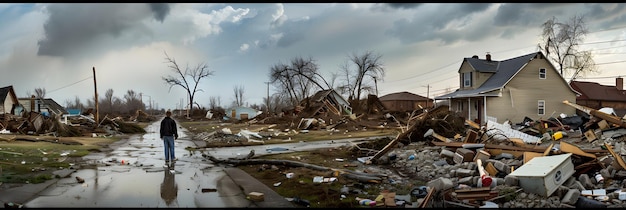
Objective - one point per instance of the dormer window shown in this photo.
(467, 79)
(542, 73)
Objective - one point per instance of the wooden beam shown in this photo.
(512, 148)
(617, 157)
(569, 148)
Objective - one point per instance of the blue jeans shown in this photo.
(168, 143)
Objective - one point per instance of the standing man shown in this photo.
(169, 133)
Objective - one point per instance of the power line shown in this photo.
(71, 84)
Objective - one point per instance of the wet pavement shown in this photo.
(134, 174)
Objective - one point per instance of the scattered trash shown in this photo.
(256, 196)
(301, 201)
(204, 190)
(80, 180)
(289, 175)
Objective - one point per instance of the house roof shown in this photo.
(322, 94)
(503, 71)
(402, 96)
(54, 106)
(596, 91)
(4, 92)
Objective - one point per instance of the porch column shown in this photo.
(469, 109)
(485, 109)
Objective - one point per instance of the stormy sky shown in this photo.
(55, 45)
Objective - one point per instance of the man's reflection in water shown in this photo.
(169, 188)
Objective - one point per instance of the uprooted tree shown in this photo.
(187, 78)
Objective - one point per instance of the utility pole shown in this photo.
(267, 103)
(95, 88)
(376, 84)
(427, 95)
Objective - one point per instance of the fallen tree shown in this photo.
(355, 175)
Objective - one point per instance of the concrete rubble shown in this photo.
(579, 170)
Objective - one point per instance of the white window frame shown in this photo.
(541, 107)
(467, 79)
(542, 75)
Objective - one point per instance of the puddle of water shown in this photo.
(137, 182)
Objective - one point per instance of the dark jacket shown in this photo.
(168, 127)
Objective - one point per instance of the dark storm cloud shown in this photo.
(612, 16)
(72, 27)
(404, 5)
(160, 10)
(527, 14)
(416, 30)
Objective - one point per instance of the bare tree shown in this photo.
(133, 102)
(74, 105)
(239, 91)
(40, 93)
(366, 67)
(188, 79)
(108, 100)
(561, 43)
(215, 102)
(297, 79)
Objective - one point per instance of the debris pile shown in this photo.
(561, 162)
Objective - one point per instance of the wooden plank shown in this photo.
(617, 157)
(495, 152)
(491, 169)
(512, 148)
(569, 148)
(475, 189)
(470, 137)
(590, 135)
(331, 107)
(472, 124)
(518, 142)
(547, 152)
(530, 155)
(427, 198)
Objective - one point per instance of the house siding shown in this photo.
(466, 68)
(6, 106)
(520, 96)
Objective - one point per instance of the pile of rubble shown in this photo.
(34, 123)
(534, 164)
(561, 162)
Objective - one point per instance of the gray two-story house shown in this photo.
(524, 86)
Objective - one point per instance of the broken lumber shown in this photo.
(610, 118)
(617, 157)
(512, 148)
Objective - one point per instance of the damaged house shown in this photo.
(326, 101)
(512, 89)
(46, 106)
(597, 96)
(10, 103)
(405, 101)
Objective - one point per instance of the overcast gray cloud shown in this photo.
(72, 28)
(55, 45)
(431, 19)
